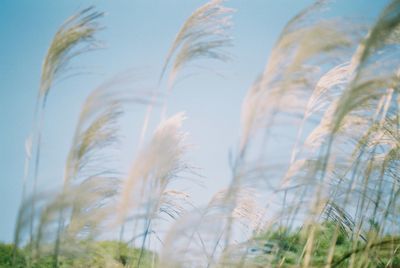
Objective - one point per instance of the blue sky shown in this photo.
(137, 35)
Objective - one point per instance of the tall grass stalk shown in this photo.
(78, 29)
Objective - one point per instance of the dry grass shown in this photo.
(334, 202)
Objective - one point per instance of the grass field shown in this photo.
(328, 198)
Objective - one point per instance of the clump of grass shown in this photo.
(332, 203)
(75, 36)
(205, 34)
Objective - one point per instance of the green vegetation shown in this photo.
(7, 254)
(328, 241)
(103, 254)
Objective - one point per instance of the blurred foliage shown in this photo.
(102, 254)
(327, 238)
(6, 256)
